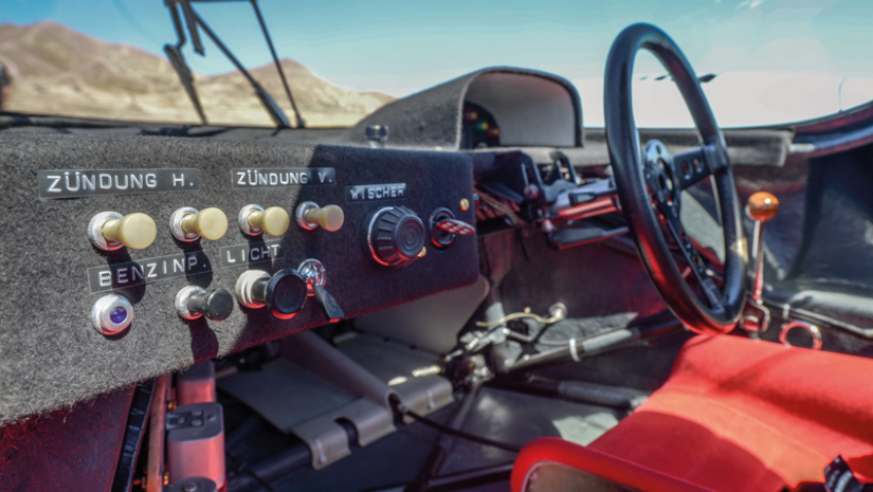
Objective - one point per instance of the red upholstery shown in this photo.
(735, 415)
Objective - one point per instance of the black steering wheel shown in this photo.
(650, 182)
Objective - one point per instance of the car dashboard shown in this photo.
(131, 253)
(85, 312)
(127, 257)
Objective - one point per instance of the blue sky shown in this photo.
(403, 46)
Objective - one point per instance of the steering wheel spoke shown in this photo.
(692, 166)
(696, 264)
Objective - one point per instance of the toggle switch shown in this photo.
(310, 217)
(457, 227)
(193, 302)
(111, 314)
(313, 272)
(189, 224)
(328, 304)
(254, 220)
(444, 227)
(283, 294)
(110, 231)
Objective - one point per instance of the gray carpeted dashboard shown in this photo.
(50, 354)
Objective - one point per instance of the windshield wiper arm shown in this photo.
(270, 105)
(174, 53)
(300, 122)
(188, 11)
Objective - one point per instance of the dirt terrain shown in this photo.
(61, 71)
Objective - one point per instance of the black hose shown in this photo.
(243, 467)
(456, 432)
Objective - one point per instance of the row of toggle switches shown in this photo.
(284, 294)
(109, 231)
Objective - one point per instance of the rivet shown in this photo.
(422, 252)
(465, 204)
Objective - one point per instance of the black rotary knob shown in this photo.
(396, 236)
(283, 294)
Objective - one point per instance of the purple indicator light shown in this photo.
(118, 315)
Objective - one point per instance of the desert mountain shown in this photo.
(60, 71)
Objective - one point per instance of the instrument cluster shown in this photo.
(479, 130)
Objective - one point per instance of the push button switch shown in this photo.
(254, 220)
(111, 314)
(283, 294)
(310, 217)
(110, 231)
(189, 224)
(192, 302)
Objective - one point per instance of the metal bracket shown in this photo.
(328, 441)
(424, 395)
(810, 328)
(756, 318)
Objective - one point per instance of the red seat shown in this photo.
(735, 415)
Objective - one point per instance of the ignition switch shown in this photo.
(283, 294)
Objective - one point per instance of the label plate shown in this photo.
(74, 183)
(375, 192)
(241, 255)
(141, 272)
(275, 177)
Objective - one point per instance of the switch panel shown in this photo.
(162, 297)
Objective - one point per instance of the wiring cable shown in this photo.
(243, 467)
(400, 408)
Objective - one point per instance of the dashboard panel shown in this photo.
(529, 109)
(67, 289)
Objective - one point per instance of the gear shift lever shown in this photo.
(761, 208)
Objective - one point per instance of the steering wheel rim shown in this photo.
(649, 185)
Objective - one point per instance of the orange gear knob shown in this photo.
(762, 206)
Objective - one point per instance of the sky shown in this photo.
(403, 46)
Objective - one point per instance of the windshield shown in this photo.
(766, 61)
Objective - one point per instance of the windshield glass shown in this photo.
(766, 61)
